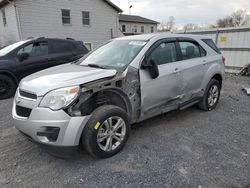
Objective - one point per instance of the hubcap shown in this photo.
(111, 133)
(213, 95)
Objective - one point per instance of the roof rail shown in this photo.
(70, 38)
(28, 38)
(40, 38)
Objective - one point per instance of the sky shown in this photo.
(201, 12)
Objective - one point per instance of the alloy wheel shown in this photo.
(111, 133)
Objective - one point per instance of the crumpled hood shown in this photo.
(63, 76)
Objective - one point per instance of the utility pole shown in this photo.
(130, 9)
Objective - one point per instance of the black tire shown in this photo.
(7, 87)
(204, 104)
(90, 132)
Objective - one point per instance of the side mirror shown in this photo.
(152, 67)
(23, 56)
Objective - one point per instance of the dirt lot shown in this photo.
(190, 148)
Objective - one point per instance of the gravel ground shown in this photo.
(189, 148)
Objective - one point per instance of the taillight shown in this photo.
(223, 60)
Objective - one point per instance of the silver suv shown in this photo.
(93, 102)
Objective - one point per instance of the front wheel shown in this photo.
(7, 87)
(211, 96)
(106, 132)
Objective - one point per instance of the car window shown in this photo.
(62, 46)
(191, 50)
(212, 45)
(164, 53)
(35, 49)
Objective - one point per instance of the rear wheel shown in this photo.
(211, 96)
(7, 87)
(106, 132)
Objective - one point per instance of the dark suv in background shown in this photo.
(26, 57)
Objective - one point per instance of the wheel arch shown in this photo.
(9, 74)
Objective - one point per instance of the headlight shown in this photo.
(60, 98)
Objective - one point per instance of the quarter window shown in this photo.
(85, 18)
(35, 49)
(88, 46)
(191, 50)
(66, 17)
(4, 18)
(164, 53)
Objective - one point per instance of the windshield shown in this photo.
(11, 47)
(115, 54)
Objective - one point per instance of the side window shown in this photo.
(191, 50)
(35, 49)
(164, 53)
(62, 46)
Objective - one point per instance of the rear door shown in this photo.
(37, 59)
(163, 93)
(62, 51)
(193, 63)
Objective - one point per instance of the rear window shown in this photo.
(212, 45)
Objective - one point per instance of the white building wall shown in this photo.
(43, 19)
(130, 27)
(9, 32)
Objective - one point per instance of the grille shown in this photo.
(27, 94)
(22, 111)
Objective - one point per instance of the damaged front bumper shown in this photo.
(55, 131)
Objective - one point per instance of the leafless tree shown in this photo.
(167, 26)
(236, 19)
(240, 18)
(191, 26)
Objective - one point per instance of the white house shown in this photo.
(91, 21)
(133, 25)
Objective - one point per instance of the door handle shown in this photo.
(176, 70)
(204, 62)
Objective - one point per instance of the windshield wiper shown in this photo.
(96, 66)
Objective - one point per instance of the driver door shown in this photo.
(163, 93)
(37, 58)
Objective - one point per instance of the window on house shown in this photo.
(4, 18)
(142, 29)
(135, 28)
(66, 17)
(85, 18)
(123, 28)
(88, 46)
(152, 29)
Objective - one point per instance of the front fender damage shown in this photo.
(123, 90)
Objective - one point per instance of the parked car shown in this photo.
(26, 57)
(127, 80)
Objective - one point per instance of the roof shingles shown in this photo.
(135, 19)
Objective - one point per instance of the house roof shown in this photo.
(136, 19)
(4, 2)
